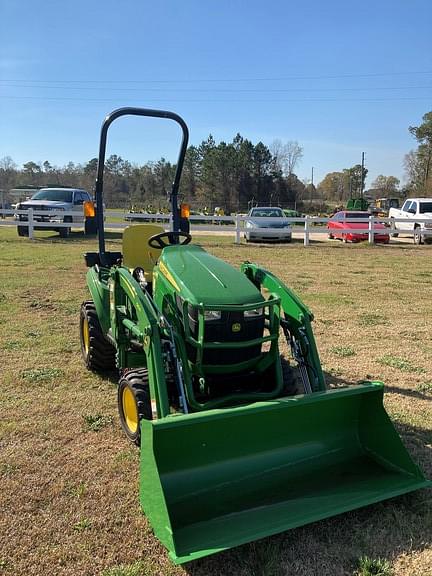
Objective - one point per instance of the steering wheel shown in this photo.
(158, 240)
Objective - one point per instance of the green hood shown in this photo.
(204, 279)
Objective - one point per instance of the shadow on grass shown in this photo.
(79, 236)
(407, 392)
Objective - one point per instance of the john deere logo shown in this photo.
(236, 327)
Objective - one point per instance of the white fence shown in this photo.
(235, 224)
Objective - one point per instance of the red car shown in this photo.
(343, 221)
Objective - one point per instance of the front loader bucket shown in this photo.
(213, 480)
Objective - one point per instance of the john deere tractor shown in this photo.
(228, 453)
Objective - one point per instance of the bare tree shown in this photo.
(8, 173)
(286, 155)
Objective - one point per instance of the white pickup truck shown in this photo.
(50, 203)
(415, 219)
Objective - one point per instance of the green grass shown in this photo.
(373, 320)
(135, 569)
(425, 387)
(342, 351)
(82, 525)
(37, 375)
(76, 490)
(71, 496)
(96, 422)
(399, 363)
(371, 567)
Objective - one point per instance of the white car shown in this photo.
(55, 201)
(267, 224)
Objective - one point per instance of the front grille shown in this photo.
(222, 331)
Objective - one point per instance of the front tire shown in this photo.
(22, 231)
(133, 402)
(65, 232)
(98, 354)
(393, 234)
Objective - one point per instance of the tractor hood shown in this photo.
(201, 278)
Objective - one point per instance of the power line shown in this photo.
(199, 80)
(226, 90)
(212, 100)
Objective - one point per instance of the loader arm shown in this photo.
(296, 322)
(132, 310)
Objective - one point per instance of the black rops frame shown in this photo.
(101, 164)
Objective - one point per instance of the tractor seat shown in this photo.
(137, 252)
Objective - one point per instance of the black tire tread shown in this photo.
(137, 381)
(102, 354)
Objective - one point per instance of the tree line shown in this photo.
(232, 175)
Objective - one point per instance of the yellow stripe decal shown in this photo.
(168, 275)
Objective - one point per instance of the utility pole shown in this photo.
(311, 190)
(362, 176)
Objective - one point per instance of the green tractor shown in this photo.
(230, 451)
(357, 204)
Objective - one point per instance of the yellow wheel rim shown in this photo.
(86, 335)
(130, 410)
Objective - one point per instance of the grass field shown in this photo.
(69, 478)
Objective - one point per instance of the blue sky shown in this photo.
(338, 77)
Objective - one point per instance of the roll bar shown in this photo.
(129, 111)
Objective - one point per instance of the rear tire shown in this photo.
(417, 236)
(330, 236)
(133, 402)
(22, 231)
(98, 354)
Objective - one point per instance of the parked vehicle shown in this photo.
(267, 224)
(382, 206)
(294, 214)
(55, 201)
(413, 209)
(343, 220)
(357, 204)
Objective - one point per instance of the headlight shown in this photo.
(254, 313)
(210, 315)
